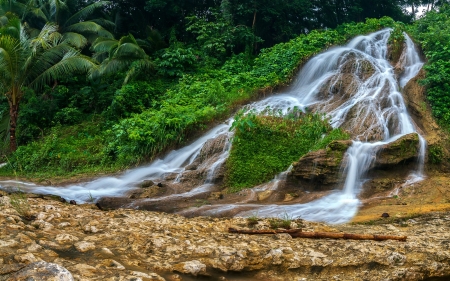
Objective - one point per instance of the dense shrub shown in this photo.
(266, 145)
(433, 33)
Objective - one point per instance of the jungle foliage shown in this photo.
(140, 77)
(433, 33)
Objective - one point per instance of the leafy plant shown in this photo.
(19, 202)
(265, 145)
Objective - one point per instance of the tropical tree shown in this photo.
(120, 55)
(34, 62)
(73, 20)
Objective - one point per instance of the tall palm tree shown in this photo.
(120, 55)
(73, 22)
(34, 62)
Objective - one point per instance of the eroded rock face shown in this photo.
(140, 245)
(319, 170)
(399, 151)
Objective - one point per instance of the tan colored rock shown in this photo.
(84, 246)
(42, 271)
(263, 195)
(399, 151)
(85, 270)
(25, 258)
(319, 170)
(66, 238)
(193, 267)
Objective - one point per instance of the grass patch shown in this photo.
(67, 151)
(265, 145)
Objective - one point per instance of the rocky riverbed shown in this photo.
(81, 242)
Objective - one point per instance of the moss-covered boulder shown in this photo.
(320, 170)
(396, 152)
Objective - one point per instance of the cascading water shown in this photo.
(357, 88)
(377, 111)
(117, 186)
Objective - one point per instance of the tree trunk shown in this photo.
(13, 115)
(253, 29)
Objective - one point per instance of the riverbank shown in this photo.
(138, 245)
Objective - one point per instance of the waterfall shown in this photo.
(354, 85)
(374, 102)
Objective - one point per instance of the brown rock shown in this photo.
(146, 183)
(401, 150)
(319, 170)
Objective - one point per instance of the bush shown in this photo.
(134, 97)
(433, 33)
(264, 146)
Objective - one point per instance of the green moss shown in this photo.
(266, 145)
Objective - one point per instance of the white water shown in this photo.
(411, 60)
(117, 186)
(375, 103)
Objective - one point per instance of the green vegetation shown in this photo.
(433, 33)
(19, 202)
(140, 119)
(153, 81)
(396, 41)
(265, 145)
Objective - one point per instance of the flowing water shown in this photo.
(354, 85)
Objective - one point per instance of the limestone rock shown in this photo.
(42, 271)
(263, 195)
(396, 152)
(319, 170)
(84, 246)
(193, 267)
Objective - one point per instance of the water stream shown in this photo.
(370, 106)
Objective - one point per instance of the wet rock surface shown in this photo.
(138, 245)
(319, 170)
(399, 151)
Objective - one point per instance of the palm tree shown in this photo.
(120, 55)
(75, 27)
(34, 62)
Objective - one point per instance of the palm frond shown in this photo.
(71, 63)
(88, 27)
(105, 23)
(129, 50)
(84, 13)
(39, 13)
(75, 39)
(9, 53)
(127, 39)
(114, 66)
(42, 60)
(102, 44)
(102, 47)
(137, 67)
(56, 7)
(47, 38)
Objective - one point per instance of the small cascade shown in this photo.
(221, 159)
(174, 162)
(411, 62)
